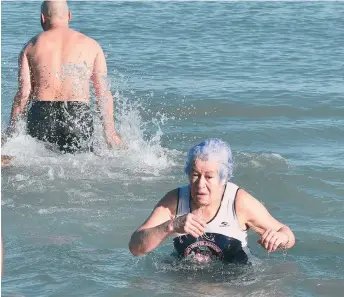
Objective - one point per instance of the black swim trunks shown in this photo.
(69, 124)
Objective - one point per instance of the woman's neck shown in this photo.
(207, 212)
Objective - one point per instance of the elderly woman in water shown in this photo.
(209, 218)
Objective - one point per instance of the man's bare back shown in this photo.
(62, 61)
(55, 70)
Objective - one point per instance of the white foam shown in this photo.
(260, 160)
(144, 151)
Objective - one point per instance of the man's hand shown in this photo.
(114, 140)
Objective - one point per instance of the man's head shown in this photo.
(55, 13)
(209, 166)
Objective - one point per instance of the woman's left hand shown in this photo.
(271, 240)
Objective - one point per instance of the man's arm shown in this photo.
(253, 213)
(104, 98)
(23, 93)
(157, 227)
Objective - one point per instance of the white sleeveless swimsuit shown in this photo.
(223, 239)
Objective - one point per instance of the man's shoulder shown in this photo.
(30, 43)
(87, 39)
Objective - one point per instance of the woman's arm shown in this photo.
(254, 215)
(157, 227)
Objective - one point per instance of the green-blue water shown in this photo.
(265, 76)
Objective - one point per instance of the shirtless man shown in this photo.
(55, 70)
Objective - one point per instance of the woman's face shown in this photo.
(205, 182)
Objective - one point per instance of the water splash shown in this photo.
(145, 152)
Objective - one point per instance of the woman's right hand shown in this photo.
(189, 224)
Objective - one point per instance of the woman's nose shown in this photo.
(201, 181)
